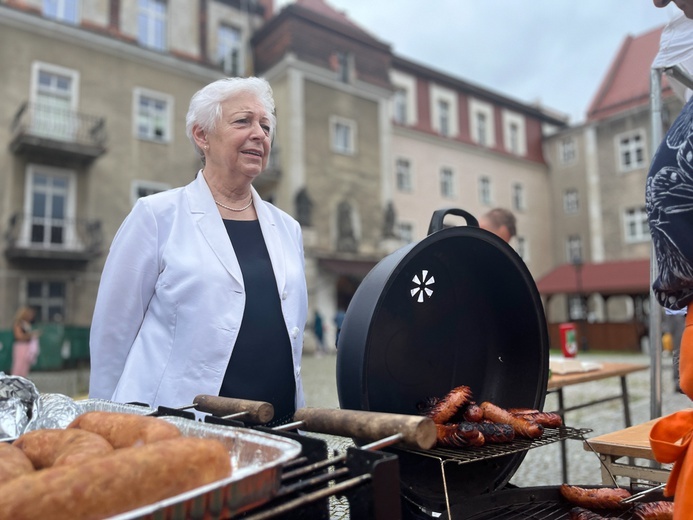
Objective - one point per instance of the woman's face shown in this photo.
(685, 5)
(240, 143)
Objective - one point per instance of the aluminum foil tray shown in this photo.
(256, 461)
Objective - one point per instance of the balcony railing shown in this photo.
(39, 129)
(41, 238)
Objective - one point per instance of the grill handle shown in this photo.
(417, 432)
(257, 412)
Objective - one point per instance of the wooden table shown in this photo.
(633, 443)
(559, 381)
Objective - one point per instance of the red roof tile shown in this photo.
(607, 278)
(323, 8)
(626, 84)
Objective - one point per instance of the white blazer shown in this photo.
(171, 298)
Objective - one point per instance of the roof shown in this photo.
(626, 84)
(607, 278)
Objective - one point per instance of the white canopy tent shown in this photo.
(675, 60)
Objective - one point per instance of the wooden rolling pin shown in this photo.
(257, 412)
(416, 432)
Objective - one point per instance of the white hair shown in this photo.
(205, 105)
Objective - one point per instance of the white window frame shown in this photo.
(573, 248)
(230, 49)
(62, 10)
(70, 240)
(336, 123)
(399, 106)
(45, 304)
(567, 150)
(485, 190)
(443, 97)
(52, 123)
(477, 107)
(406, 83)
(166, 118)
(403, 175)
(149, 20)
(571, 201)
(635, 225)
(633, 148)
(519, 196)
(150, 186)
(447, 182)
(514, 133)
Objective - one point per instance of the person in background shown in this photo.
(204, 290)
(500, 221)
(319, 331)
(25, 348)
(669, 203)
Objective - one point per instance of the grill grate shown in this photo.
(489, 451)
(549, 510)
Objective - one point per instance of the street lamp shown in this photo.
(577, 264)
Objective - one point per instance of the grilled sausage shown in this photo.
(661, 510)
(459, 435)
(579, 513)
(595, 498)
(13, 462)
(448, 406)
(126, 429)
(126, 479)
(472, 412)
(496, 433)
(522, 427)
(46, 448)
(546, 419)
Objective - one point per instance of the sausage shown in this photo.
(522, 427)
(472, 412)
(46, 447)
(595, 498)
(660, 510)
(13, 462)
(459, 435)
(126, 429)
(126, 479)
(496, 433)
(442, 411)
(579, 513)
(545, 419)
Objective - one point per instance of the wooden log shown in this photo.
(258, 412)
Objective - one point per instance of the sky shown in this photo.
(552, 52)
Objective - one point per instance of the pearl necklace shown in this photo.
(234, 209)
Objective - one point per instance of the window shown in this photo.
(403, 175)
(481, 122)
(443, 118)
(481, 128)
(48, 298)
(151, 24)
(343, 135)
(143, 188)
(636, 226)
(63, 10)
(631, 151)
(49, 203)
(229, 51)
(400, 106)
(571, 203)
(54, 97)
(406, 231)
(342, 65)
(514, 135)
(518, 197)
(485, 191)
(567, 152)
(573, 248)
(576, 307)
(522, 248)
(447, 183)
(152, 115)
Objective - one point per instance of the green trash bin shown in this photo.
(78, 339)
(51, 345)
(6, 341)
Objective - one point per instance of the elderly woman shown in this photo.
(203, 290)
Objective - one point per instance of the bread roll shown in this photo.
(126, 429)
(13, 462)
(126, 479)
(49, 447)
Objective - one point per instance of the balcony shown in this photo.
(62, 242)
(57, 134)
(269, 178)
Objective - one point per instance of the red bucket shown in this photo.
(569, 344)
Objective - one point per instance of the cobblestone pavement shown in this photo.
(541, 466)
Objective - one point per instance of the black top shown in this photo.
(261, 366)
(669, 198)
